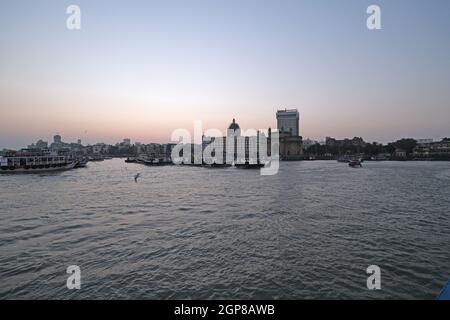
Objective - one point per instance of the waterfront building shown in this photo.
(400, 153)
(433, 149)
(100, 148)
(291, 147)
(356, 141)
(424, 141)
(288, 121)
(124, 146)
(234, 148)
(291, 143)
(167, 150)
(153, 151)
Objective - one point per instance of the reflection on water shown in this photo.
(183, 232)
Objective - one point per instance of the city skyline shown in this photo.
(140, 70)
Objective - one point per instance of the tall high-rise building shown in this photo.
(288, 121)
(57, 139)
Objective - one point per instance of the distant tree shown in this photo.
(406, 144)
(372, 149)
(317, 150)
(389, 148)
(332, 150)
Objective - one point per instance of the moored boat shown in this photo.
(150, 161)
(248, 165)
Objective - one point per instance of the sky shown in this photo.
(141, 69)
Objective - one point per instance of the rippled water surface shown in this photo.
(182, 232)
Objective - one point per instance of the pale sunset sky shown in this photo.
(140, 69)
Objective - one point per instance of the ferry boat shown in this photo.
(36, 162)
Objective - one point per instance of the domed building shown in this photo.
(233, 130)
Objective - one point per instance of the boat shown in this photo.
(355, 163)
(150, 161)
(36, 162)
(145, 161)
(248, 165)
(82, 163)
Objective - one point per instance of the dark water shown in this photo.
(181, 232)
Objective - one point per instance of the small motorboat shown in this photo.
(82, 163)
(355, 163)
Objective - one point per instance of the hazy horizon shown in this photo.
(141, 69)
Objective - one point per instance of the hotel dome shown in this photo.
(233, 129)
(233, 126)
